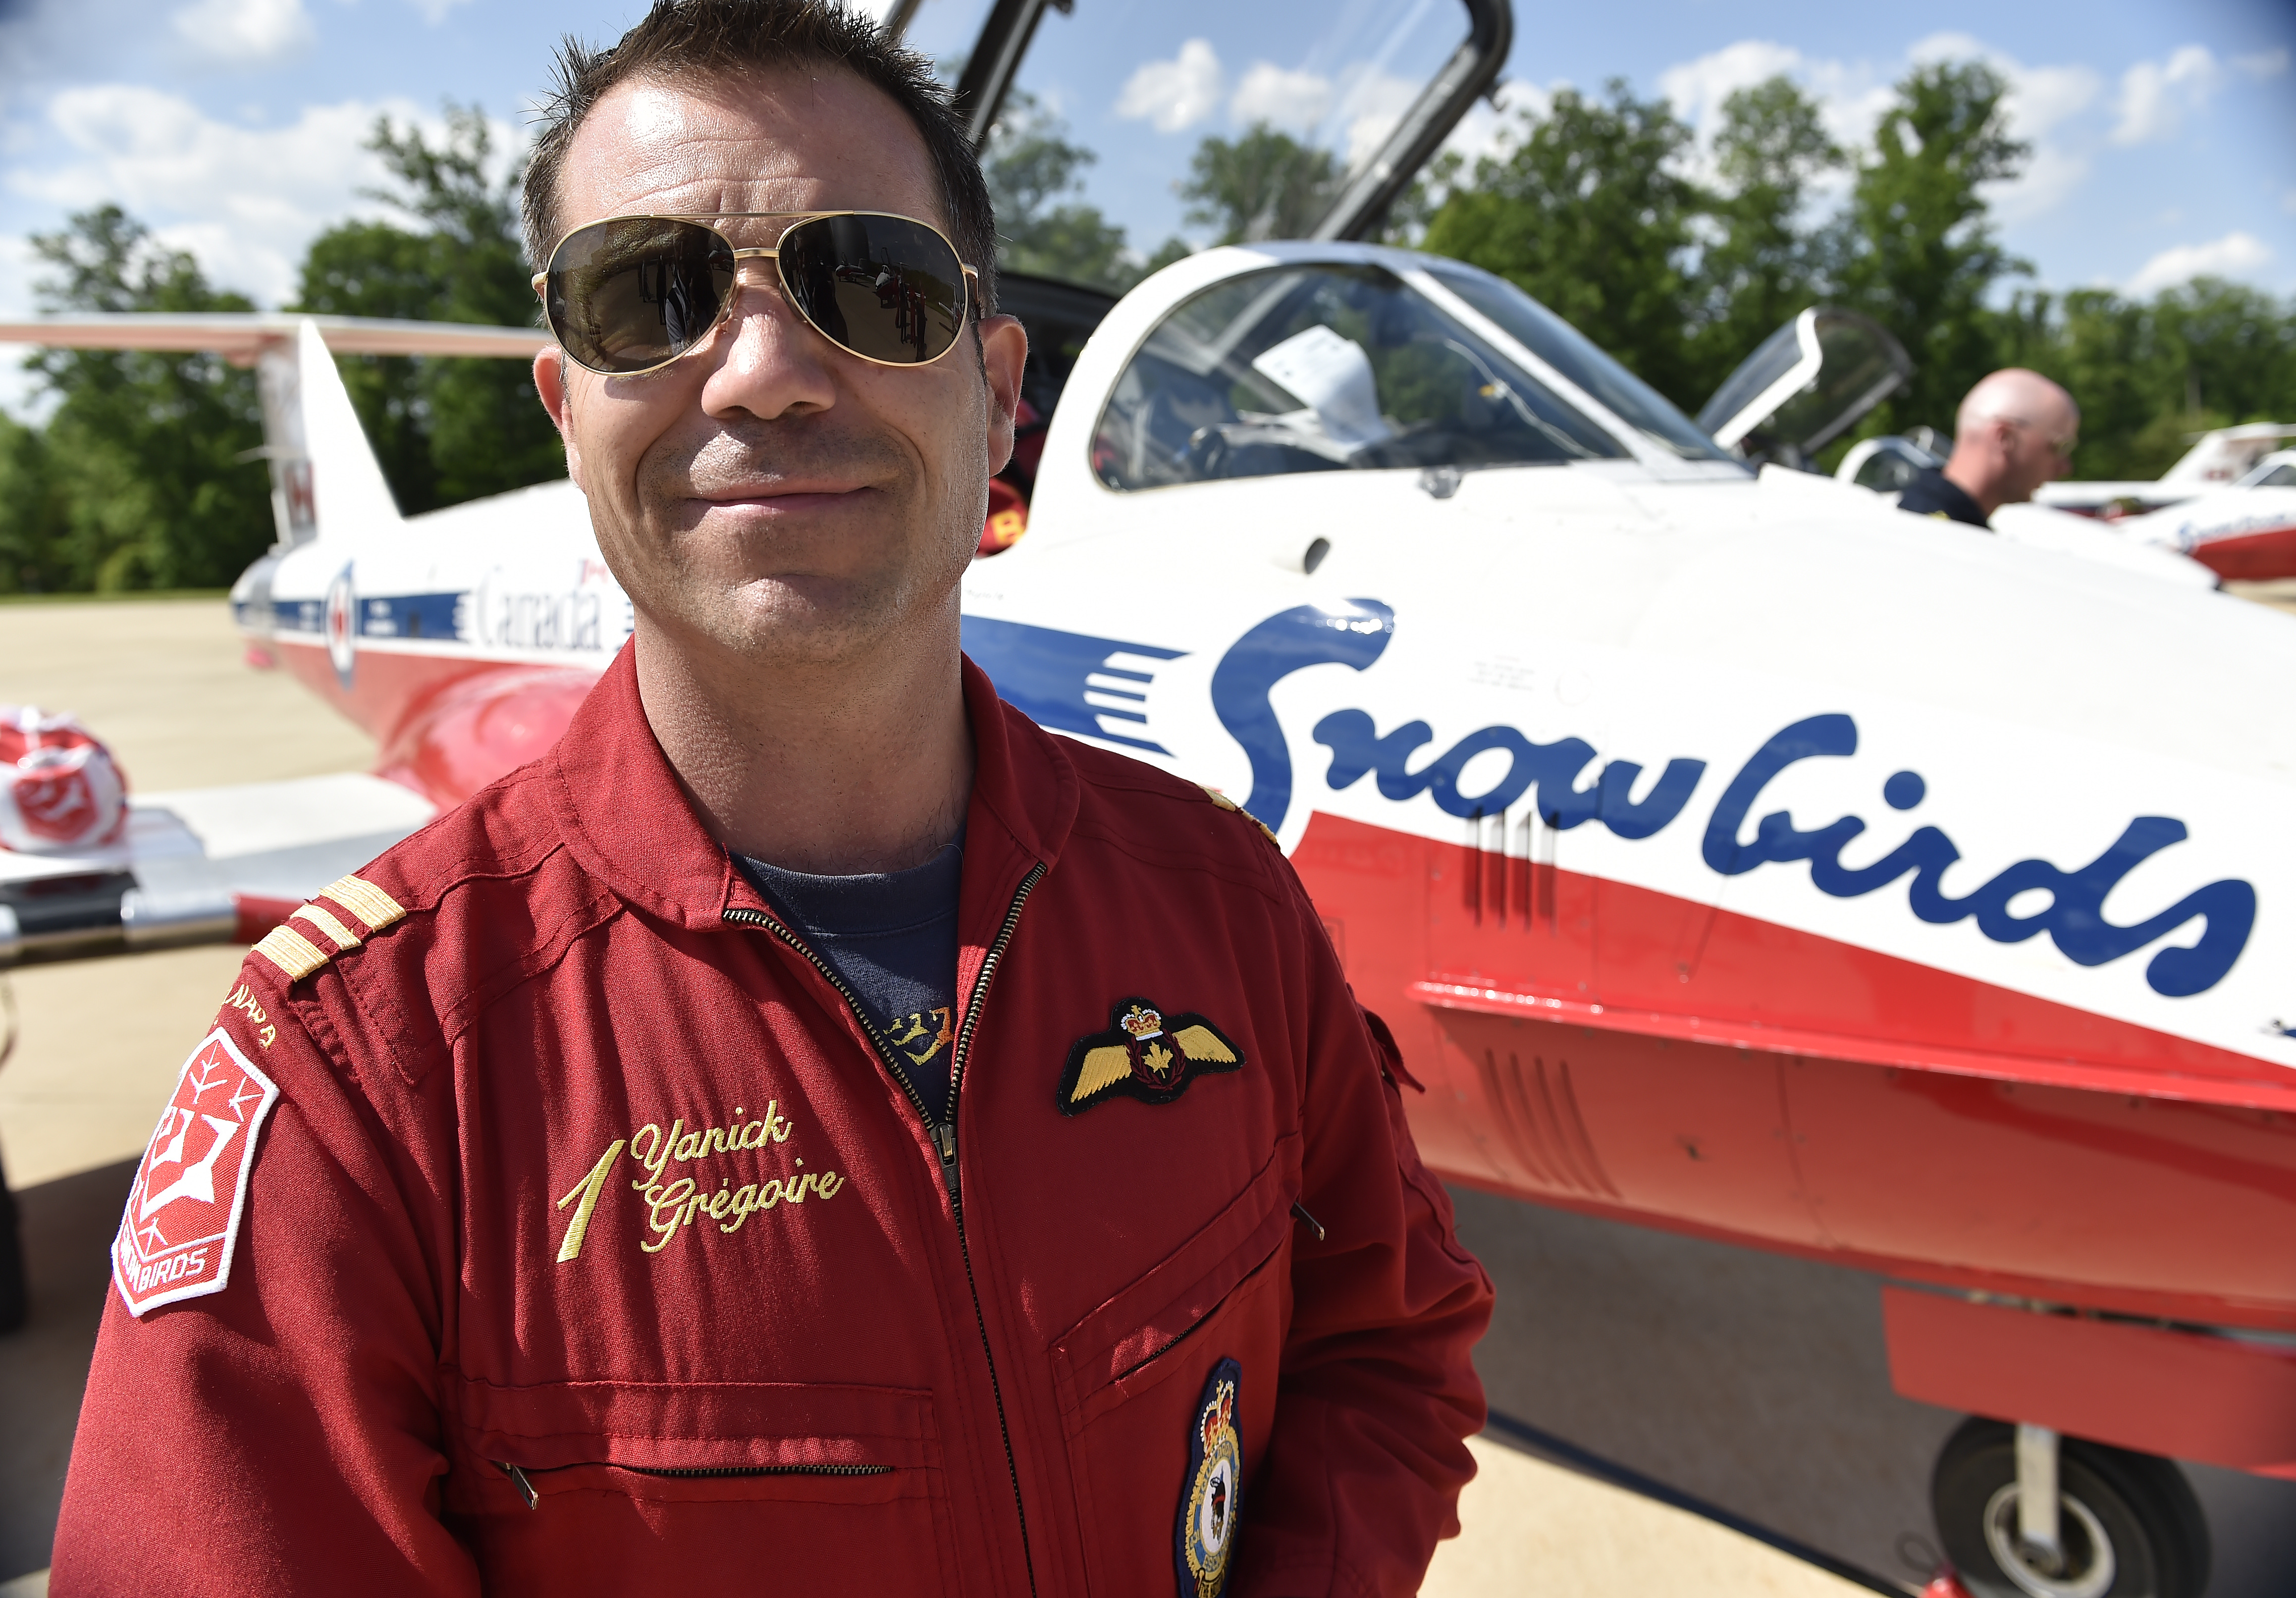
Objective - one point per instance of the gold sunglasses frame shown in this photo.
(541, 280)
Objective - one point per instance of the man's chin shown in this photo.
(799, 620)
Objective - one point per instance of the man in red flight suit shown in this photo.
(813, 1131)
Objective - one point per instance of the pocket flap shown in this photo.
(694, 1426)
(1156, 1311)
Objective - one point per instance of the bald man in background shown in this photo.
(2016, 430)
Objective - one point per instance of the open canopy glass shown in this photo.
(1135, 130)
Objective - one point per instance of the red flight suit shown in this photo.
(592, 1247)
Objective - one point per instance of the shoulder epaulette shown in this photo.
(292, 948)
(1225, 803)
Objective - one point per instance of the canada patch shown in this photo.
(1211, 1494)
(1144, 1054)
(183, 1211)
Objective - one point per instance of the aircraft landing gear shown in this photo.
(2123, 1525)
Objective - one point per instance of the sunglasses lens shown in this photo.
(883, 287)
(632, 293)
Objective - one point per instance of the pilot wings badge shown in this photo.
(1211, 1494)
(1144, 1054)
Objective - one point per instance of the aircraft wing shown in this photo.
(199, 865)
(241, 337)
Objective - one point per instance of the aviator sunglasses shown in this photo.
(628, 295)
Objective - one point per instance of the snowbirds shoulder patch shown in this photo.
(183, 1209)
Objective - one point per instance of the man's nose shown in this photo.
(773, 363)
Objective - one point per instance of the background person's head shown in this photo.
(2016, 430)
(769, 493)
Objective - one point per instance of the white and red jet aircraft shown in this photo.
(1728, 852)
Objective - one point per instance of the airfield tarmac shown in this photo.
(1751, 1385)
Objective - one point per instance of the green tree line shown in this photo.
(148, 471)
(1589, 207)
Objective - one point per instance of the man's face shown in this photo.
(770, 494)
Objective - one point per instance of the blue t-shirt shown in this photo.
(892, 937)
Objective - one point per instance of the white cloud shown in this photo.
(1293, 101)
(1853, 95)
(246, 201)
(245, 32)
(1486, 128)
(2039, 102)
(2236, 254)
(1177, 94)
(2155, 95)
(2264, 64)
(1850, 97)
(1374, 102)
(1699, 87)
(434, 11)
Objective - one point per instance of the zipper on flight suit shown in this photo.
(942, 1133)
(518, 1474)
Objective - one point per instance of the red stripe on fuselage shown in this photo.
(2139, 1198)
(2251, 557)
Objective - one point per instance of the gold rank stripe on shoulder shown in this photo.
(1225, 803)
(320, 917)
(364, 900)
(295, 955)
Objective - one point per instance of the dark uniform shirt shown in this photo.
(892, 938)
(1934, 494)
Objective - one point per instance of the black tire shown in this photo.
(2141, 1508)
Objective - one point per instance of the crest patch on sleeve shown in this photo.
(1144, 1054)
(184, 1208)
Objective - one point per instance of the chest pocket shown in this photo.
(744, 1487)
(1129, 1376)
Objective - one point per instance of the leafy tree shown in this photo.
(2150, 375)
(1586, 210)
(1263, 184)
(445, 429)
(1032, 170)
(35, 513)
(1759, 266)
(1920, 253)
(149, 474)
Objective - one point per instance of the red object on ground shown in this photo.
(1945, 1583)
(2218, 1400)
(61, 792)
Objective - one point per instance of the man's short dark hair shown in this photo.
(722, 39)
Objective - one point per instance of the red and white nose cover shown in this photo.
(182, 1221)
(60, 790)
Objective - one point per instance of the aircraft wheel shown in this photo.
(2128, 1523)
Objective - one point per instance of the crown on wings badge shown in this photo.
(1144, 1054)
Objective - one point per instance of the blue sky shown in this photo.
(2164, 135)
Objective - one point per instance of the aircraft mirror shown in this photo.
(1321, 369)
(1805, 385)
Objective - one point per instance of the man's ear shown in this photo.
(550, 385)
(1004, 354)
